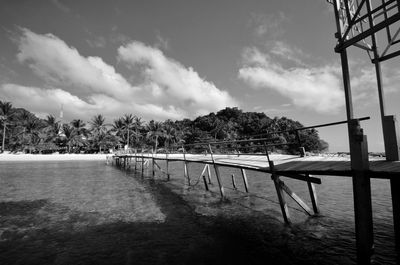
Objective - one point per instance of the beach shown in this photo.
(52, 157)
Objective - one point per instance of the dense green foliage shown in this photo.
(23, 131)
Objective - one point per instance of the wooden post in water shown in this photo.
(221, 188)
(233, 182)
(280, 193)
(205, 182)
(152, 163)
(142, 165)
(390, 126)
(246, 185)
(361, 193)
(185, 166)
(313, 195)
(395, 190)
(209, 173)
(166, 156)
(135, 159)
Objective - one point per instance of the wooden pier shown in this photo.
(358, 166)
(279, 166)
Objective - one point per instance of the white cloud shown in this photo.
(52, 59)
(314, 88)
(61, 6)
(268, 24)
(39, 100)
(161, 43)
(162, 88)
(97, 42)
(287, 52)
(169, 79)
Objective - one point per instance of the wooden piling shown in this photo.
(209, 174)
(395, 190)
(185, 167)
(205, 182)
(361, 193)
(281, 194)
(135, 159)
(167, 161)
(313, 195)
(246, 185)
(221, 188)
(281, 198)
(142, 166)
(233, 182)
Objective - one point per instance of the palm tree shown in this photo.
(79, 127)
(52, 128)
(5, 114)
(170, 133)
(138, 124)
(69, 135)
(98, 128)
(128, 125)
(31, 132)
(81, 132)
(219, 126)
(155, 130)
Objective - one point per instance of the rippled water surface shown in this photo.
(91, 213)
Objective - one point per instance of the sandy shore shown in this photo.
(52, 157)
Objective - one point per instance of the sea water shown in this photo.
(87, 212)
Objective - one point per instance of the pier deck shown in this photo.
(286, 164)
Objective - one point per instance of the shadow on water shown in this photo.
(43, 232)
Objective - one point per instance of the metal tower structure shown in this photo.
(362, 23)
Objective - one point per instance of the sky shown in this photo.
(180, 59)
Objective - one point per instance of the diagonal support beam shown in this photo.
(295, 197)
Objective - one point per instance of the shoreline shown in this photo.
(52, 157)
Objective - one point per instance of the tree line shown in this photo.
(24, 132)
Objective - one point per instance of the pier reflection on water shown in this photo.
(89, 213)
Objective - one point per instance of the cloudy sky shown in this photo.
(184, 58)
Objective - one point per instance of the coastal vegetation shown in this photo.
(22, 131)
